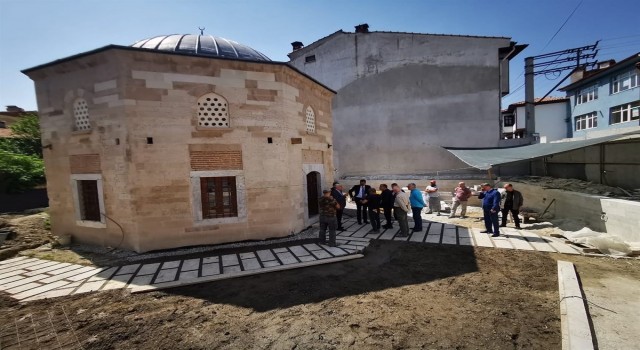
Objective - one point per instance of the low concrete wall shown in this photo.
(32, 199)
(603, 214)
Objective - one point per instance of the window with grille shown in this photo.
(81, 115)
(89, 200)
(586, 121)
(213, 111)
(625, 113)
(310, 120)
(219, 197)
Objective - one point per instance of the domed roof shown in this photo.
(201, 45)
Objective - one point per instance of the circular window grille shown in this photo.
(311, 120)
(81, 115)
(213, 112)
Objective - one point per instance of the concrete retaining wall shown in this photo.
(603, 214)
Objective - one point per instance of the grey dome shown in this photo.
(201, 45)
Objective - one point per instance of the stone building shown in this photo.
(181, 140)
(402, 96)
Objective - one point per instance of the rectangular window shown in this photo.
(509, 120)
(625, 113)
(310, 59)
(219, 197)
(624, 81)
(586, 121)
(586, 95)
(89, 200)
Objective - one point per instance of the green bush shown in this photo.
(26, 137)
(19, 172)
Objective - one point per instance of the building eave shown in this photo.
(27, 71)
(629, 61)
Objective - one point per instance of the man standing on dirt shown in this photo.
(512, 203)
(401, 207)
(490, 206)
(336, 193)
(328, 207)
(460, 197)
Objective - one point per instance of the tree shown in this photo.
(26, 137)
(21, 165)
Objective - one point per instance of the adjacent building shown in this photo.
(181, 140)
(402, 96)
(605, 100)
(551, 119)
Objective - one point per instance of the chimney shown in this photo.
(577, 74)
(297, 45)
(606, 64)
(362, 28)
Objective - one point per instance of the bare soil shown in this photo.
(401, 295)
(28, 232)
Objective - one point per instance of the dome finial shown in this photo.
(202, 30)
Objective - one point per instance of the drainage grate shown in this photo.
(49, 329)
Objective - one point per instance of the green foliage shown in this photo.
(26, 137)
(19, 172)
(21, 165)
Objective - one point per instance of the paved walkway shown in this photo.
(442, 233)
(30, 279)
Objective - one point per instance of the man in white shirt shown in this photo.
(434, 197)
(401, 207)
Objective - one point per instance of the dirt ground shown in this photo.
(28, 232)
(401, 295)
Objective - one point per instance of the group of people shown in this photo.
(396, 204)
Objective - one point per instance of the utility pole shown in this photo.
(583, 56)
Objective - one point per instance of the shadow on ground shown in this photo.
(385, 265)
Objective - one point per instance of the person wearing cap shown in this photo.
(328, 207)
(338, 195)
(401, 206)
(490, 206)
(417, 203)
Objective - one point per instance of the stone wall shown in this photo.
(145, 134)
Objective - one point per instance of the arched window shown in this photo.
(213, 111)
(81, 115)
(311, 120)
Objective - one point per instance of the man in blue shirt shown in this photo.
(417, 203)
(490, 206)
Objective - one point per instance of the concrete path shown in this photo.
(30, 279)
(442, 233)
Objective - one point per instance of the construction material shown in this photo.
(574, 320)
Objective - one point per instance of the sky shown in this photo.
(33, 32)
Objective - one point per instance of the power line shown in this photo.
(563, 24)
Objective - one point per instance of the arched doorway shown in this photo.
(313, 193)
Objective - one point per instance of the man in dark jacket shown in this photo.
(386, 202)
(336, 193)
(358, 193)
(490, 206)
(512, 203)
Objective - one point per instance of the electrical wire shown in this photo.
(563, 24)
(589, 302)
